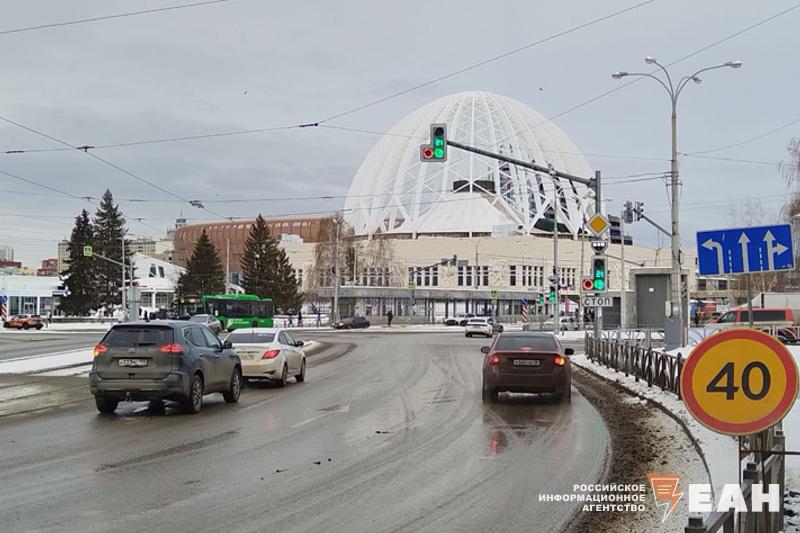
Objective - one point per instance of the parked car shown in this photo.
(210, 321)
(529, 362)
(163, 360)
(24, 322)
(353, 322)
(482, 325)
(781, 321)
(565, 323)
(269, 353)
(460, 319)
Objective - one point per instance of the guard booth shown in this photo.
(652, 286)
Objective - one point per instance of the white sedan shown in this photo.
(269, 353)
(482, 325)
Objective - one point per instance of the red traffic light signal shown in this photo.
(588, 284)
(436, 151)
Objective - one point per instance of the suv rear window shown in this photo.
(249, 337)
(127, 336)
(535, 344)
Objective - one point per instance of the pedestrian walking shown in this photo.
(49, 317)
(291, 321)
(319, 318)
(300, 318)
(389, 317)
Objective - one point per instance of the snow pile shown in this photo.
(40, 363)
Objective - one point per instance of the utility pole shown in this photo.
(228, 256)
(580, 286)
(623, 312)
(556, 302)
(335, 311)
(124, 290)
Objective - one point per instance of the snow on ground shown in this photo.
(719, 451)
(50, 361)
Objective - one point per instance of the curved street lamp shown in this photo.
(674, 92)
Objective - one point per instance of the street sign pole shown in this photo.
(557, 312)
(598, 204)
(749, 300)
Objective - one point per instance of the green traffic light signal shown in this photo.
(599, 278)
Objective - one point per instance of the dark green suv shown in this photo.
(163, 360)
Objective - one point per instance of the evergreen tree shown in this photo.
(204, 273)
(80, 275)
(109, 229)
(258, 261)
(267, 271)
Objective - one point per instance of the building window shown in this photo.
(424, 277)
(298, 276)
(512, 275)
(701, 284)
(722, 285)
(465, 276)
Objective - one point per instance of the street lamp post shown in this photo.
(674, 92)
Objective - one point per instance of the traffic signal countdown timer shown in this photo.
(436, 151)
(599, 274)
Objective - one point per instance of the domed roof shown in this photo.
(393, 192)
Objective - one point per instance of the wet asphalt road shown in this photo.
(390, 436)
(21, 343)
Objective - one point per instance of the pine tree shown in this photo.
(80, 275)
(204, 274)
(267, 271)
(109, 228)
(258, 261)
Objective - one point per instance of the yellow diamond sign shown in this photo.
(598, 224)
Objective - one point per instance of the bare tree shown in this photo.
(335, 236)
(751, 212)
(791, 173)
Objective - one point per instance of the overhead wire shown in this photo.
(747, 141)
(108, 17)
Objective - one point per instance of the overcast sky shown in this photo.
(246, 64)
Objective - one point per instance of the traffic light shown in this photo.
(638, 209)
(436, 151)
(599, 274)
(552, 296)
(541, 299)
(628, 213)
(588, 284)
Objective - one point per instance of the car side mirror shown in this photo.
(485, 349)
(299, 343)
(568, 351)
(227, 345)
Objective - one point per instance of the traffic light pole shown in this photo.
(598, 205)
(593, 184)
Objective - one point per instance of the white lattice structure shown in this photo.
(393, 192)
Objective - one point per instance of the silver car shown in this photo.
(210, 321)
(482, 325)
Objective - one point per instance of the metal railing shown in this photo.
(658, 368)
(635, 358)
(769, 469)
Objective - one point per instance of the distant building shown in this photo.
(6, 253)
(141, 245)
(49, 268)
(10, 264)
(63, 255)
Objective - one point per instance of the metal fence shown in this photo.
(766, 464)
(639, 359)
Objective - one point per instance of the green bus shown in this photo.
(236, 311)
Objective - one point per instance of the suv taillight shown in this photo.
(495, 360)
(99, 349)
(270, 354)
(172, 348)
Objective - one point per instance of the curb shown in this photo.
(681, 423)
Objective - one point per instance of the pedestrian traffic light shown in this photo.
(627, 215)
(638, 210)
(541, 299)
(552, 296)
(599, 274)
(436, 151)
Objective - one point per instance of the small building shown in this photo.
(28, 294)
(156, 280)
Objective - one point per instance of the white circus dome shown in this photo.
(393, 192)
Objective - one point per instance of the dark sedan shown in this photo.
(526, 362)
(353, 322)
(163, 360)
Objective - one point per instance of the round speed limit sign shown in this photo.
(739, 381)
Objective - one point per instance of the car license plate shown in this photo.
(526, 362)
(132, 362)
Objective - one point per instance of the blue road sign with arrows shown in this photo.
(743, 250)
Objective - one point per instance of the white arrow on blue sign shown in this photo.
(744, 250)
